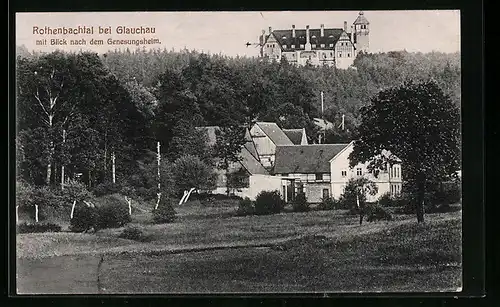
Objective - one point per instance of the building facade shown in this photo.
(320, 46)
(280, 159)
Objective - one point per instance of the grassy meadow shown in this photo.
(208, 249)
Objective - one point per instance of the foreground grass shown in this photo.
(315, 251)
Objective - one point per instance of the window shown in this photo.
(284, 46)
(292, 46)
(314, 36)
(322, 45)
(359, 171)
(319, 176)
(301, 45)
(326, 193)
(348, 55)
(314, 45)
(343, 173)
(340, 54)
(331, 45)
(331, 54)
(284, 175)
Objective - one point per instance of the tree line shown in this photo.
(98, 117)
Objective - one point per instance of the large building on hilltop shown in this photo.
(324, 46)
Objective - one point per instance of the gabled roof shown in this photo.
(305, 159)
(274, 132)
(250, 145)
(295, 135)
(251, 164)
(248, 154)
(284, 37)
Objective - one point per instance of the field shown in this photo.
(208, 249)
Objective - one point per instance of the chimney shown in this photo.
(345, 26)
(261, 38)
(270, 30)
(293, 30)
(352, 33)
(307, 34)
(322, 30)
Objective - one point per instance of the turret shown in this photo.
(361, 33)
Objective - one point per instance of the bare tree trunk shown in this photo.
(36, 213)
(62, 166)
(49, 164)
(420, 201)
(113, 166)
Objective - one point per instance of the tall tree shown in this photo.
(420, 125)
(227, 148)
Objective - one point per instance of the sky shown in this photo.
(228, 32)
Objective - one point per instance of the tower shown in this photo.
(361, 33)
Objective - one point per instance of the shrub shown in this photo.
(269, 202)
(448, 196)
(165, 212)
(300, 204)
(134, 233)
(377, 213)
(84, 218)
(327, 203)
(112, 212)
(385, 200)
(38, 227)
(106, 188)
(245, 207)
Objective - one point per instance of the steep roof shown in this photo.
(248, 152)
(274, 132)
(361, 20)
(250, 145)
(305, 159)
(284, 37)
(295, 135)
(251, 164)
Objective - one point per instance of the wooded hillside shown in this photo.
(77, 110)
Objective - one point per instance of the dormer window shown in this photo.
(292, 46)
(284, 46)
(331, 45)
(322, 45)
(314, 45)
(284, 37)
(301, 45)
(314, 36)
(330, 36)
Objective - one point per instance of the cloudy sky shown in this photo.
(227, 32)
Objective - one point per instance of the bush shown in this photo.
(300, 204)
(106, 188)
(245, 207)
(448, 196)
(134, 233)
(385, 200)
(84, 218)
(165, 212)
(38, 227)
(112, 212)
(269, 202)
(377, 213)
(327, 203)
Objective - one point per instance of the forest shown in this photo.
(80, 114)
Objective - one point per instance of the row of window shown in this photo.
(302, 46)
(394, 173)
